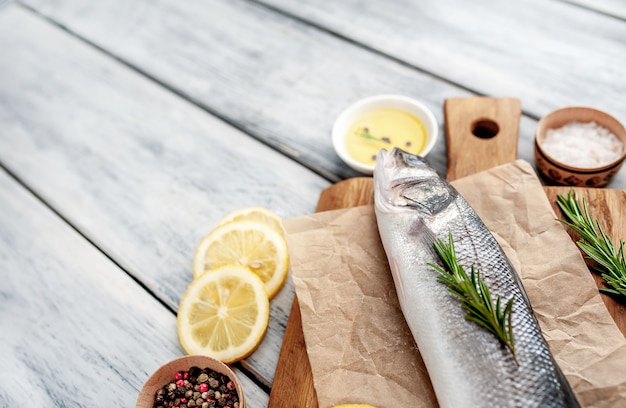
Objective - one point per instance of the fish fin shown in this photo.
(420, 230)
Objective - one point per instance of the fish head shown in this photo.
(404, 181)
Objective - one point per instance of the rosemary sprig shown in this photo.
(475, 296)
(365, 133)
(595, 243)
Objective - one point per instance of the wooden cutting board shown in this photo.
(480, 133)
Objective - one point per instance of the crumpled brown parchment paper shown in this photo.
(359, 346)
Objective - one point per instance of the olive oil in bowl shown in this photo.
(383, 122)
(384, 129)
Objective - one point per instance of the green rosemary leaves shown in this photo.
(595, 243)
(365, 133)
(475, 296)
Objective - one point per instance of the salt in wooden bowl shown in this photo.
(562, 173)
(165, 374)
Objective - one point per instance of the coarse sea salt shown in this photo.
(585, 145)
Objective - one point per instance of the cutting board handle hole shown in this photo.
(485, 128)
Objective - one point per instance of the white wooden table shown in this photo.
(129, 128)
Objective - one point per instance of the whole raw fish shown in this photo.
(467, 364)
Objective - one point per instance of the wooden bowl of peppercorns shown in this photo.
(192, 382)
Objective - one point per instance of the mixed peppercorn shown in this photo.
(199, 388)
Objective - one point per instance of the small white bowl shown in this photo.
(409, 105)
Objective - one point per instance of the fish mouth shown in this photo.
(392, 164)
(383, 175)
(391, 174)
(405, 180)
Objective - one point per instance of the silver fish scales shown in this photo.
(468, 365)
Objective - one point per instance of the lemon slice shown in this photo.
(224, 314)
(259, 214)
(247, 243)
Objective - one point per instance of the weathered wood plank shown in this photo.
(616, 8)
(285, 82)
(280, 80)
(139, 171)
(76, 329)
(549, 54)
